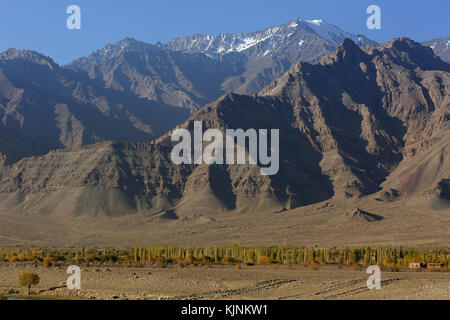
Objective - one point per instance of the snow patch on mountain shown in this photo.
(292, 37)
(240, 44)
(330, 32)
(270, 40)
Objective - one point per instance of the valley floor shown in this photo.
(228, 282)
(413, 223)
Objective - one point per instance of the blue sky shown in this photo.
(41, 24)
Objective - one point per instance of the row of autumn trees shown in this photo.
(383, 256)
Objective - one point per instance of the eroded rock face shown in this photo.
(357, 122)
(135, 91)
(393, 99)
(44, 106)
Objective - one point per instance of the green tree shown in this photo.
(28, 279)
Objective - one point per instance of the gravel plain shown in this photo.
(272, 282)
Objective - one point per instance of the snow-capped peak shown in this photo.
(294, 32)
(330, 32)
(316, 22)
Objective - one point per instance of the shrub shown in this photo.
(12, 259)
(227, 261)
(264, 260)
(160, 260)
(189, 259)
(138, 265)
(395, 269)
(204, 260)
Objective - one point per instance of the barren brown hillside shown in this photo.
(364, 138)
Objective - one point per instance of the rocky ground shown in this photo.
(229, 282)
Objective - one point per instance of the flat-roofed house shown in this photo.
(434, 266)
(417, 265)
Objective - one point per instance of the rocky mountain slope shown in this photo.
(182, 80)
(358, 123)
(134, 91)
(399, 94)
(196, 70)
(45, 107)
(268, 53)
(441, 47)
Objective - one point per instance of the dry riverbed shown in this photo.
(228, 282)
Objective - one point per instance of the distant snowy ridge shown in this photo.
(269, 39)
(246, 61)
(297, 33)
(441, 47)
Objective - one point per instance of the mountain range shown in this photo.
(134, 91)
(360, 123)
(269, 53)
